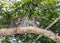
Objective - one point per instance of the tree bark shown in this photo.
(22, 30)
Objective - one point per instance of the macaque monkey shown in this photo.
(35, 22)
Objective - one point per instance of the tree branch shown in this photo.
(22, 30)
(37, 38)
(57, 19)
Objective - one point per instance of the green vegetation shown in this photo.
(45, 10)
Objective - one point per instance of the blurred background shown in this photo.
(36, 13)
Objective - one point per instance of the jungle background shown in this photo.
(36, 13)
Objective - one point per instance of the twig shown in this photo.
(36, 38)
(57, 19)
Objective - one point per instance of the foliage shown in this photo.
(45, 10)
